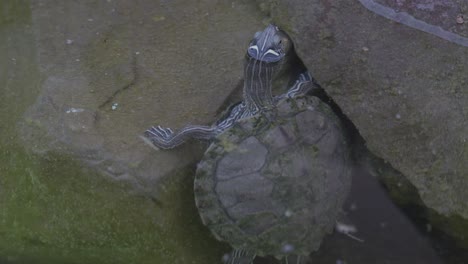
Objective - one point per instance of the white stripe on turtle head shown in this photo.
(263, 46)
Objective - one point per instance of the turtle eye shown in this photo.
(276, 39)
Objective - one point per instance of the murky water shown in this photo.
(55, 210)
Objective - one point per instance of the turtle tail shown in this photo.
(240, 256)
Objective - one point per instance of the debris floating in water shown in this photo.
(287, 248)
(74, 110)
(347, 230)
(225, 258)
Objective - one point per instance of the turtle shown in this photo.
(276, 174)
(267, 55)
(275, 187)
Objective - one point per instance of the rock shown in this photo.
(114, 68)
(53, 208)
(404, 90)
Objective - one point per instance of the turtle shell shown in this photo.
(276, 184)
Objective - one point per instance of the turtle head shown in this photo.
(270, 45)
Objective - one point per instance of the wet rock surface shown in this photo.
(442, 13)
(111, 69)
(56, 210)
(404, 89)
(444, 19)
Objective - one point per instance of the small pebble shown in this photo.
(74, 110)
(69, 41)
(114, 106)
(460, 19)
(397, 116)
(365, 49)
(158, 18)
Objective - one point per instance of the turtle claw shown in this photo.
(160, 133)
(152, 132)
(165, 132)
(159, 137)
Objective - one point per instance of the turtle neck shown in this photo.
(258, 78)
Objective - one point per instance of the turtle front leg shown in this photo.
(165, 138)
(303, 85)
(240, 256)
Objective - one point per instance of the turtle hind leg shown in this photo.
(240, 256)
